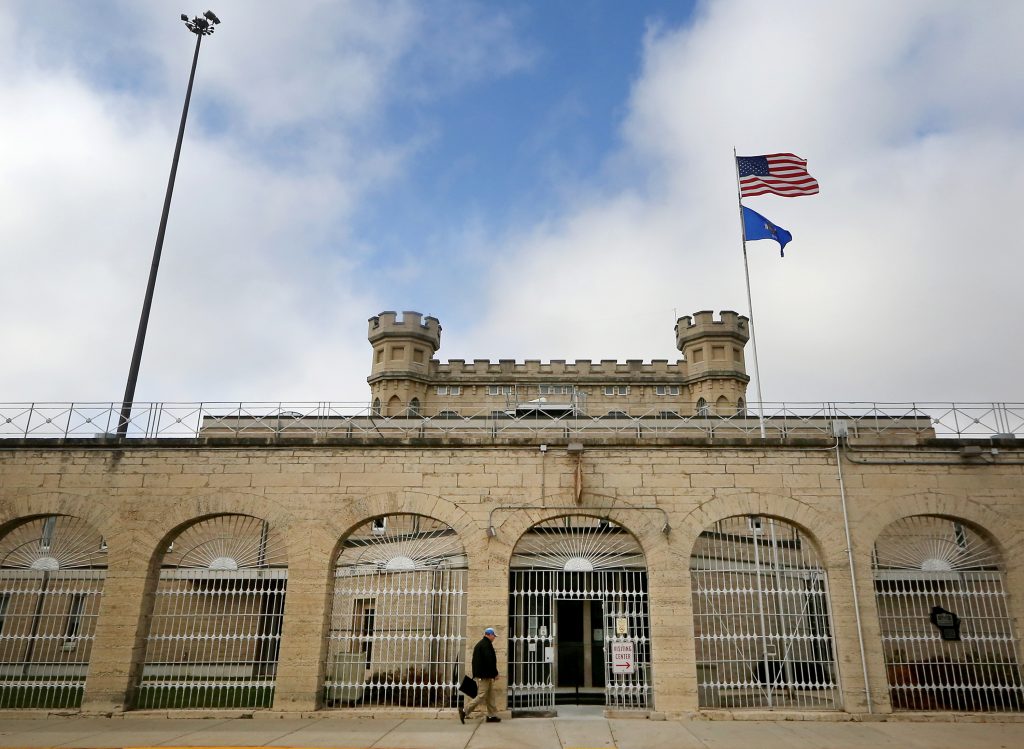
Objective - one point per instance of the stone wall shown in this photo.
(139, 495)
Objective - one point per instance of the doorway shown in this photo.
(579, 676)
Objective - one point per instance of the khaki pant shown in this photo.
(485, 695)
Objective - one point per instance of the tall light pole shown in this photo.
(200, 26)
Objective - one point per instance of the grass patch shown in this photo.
(199, 696)
(16, 696)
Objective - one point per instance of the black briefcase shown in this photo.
(468, 687)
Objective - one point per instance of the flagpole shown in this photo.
(750, 303)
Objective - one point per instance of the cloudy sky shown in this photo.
(551, 179)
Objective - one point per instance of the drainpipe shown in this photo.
(853, 577)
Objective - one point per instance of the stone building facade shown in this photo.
(658, 565)
(406, 379)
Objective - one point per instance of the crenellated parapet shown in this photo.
(704, 325)
(559, 368)
(409, 325)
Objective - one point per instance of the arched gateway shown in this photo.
(761, 621)
(579, 628)
(398, 620)
(215, 629)
(947, 633)
(52, 570)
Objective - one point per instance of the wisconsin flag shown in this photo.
(756, 226)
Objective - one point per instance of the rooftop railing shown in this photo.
(334, 420)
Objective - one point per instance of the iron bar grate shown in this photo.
(762, 626)
(214, 634)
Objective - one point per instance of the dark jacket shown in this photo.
(485, 660)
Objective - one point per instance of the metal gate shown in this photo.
(398, 623)
(947, 634)
(52, 570)
(578, 558)
(215, 631)
(761, 618)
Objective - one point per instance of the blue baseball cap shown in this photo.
(490, 631)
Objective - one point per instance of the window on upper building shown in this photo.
(448, 390)
(417, 355)
(501, 389)
(414, 407)
(702, 407)
(74, 622)
(554, 389)
(666, 390)
(364, 613)
(960, 535)
(47, 537)
(616, 389)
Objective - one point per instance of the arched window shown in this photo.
(722, 405)
(394, 406)
(947, 634)
(741, 407)
(215, 631)
(414, 407)
(398, 622)
(376, 407)
(761, 621)
(52, 570)
(702, 407)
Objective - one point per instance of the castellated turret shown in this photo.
(411, 325)
(715, 369)
(403, 351)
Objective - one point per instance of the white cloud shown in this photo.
(263, 288)
(900, 282)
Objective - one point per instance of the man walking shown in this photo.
(485, 671)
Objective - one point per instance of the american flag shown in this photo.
(782, 174)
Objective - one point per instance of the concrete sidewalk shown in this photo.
(521, 733)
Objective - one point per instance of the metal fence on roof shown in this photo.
(346, 420)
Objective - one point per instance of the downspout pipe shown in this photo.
(853, 578)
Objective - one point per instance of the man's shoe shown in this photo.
(493, 719)
(462, 716)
